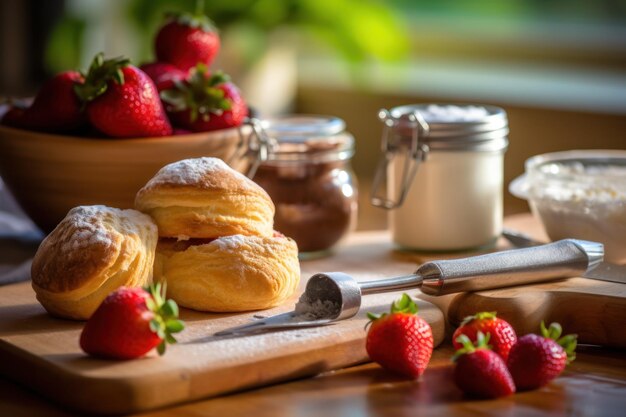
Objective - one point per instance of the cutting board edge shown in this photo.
(80, 392)
(74, 391)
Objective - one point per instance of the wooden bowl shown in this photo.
(50, 174)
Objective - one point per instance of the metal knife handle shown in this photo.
(561, 259)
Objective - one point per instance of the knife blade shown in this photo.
(604, 271)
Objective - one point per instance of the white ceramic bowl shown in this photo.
(49, 174)
(579, 194)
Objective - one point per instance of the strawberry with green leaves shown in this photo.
(502, 337)
(400, 341)
(205, 102)
(187, 39)
(536, 360)
(130, 322)
(121, 100)
(480, 371)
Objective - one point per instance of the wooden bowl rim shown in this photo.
(6, 131)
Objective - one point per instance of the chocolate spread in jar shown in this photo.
(315, 202)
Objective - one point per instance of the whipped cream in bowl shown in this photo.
(579, 194)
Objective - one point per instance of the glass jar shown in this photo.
(454, 200)
(307, 174)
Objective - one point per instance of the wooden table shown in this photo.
(594, 385)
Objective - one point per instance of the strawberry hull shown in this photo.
(209, 103)
(502, 335)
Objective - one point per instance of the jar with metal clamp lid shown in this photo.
(307, 174)
(443, 173)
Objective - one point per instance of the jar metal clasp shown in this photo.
(256, 147)
(397, 142)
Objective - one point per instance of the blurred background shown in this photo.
(558, 67)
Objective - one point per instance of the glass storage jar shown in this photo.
(443, 170)
(308, 175)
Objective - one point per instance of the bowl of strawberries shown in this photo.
(96, 137)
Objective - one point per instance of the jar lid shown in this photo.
(457, 126)
(302, 136)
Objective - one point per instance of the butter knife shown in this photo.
(603, 271)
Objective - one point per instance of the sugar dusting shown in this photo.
(87, 226)
(307, 309)
(188, 171)
(201, 350)
(255, 347)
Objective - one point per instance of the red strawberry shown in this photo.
(186, 40)
(130, 322)
(536, 360)
(205, 102)
(401, 341)
(56, 108)
(163, 74)
(480, 371)
(122, 101)
(502, 337)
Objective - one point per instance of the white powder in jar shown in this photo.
(436, 113)
(454, 202)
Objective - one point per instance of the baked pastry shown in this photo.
(232, 273)
(205, 198)
(217, 249)
(93, 251)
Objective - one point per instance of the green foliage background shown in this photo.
(356, 30)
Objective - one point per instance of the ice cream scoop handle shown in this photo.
(561, 259)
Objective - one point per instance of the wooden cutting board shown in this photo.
(42, 352)
(595, 310)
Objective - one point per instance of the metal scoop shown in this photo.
(340, 294)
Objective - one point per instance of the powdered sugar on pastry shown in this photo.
(204, 198)
(188, 171)
(94, 250)
(87, 228)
